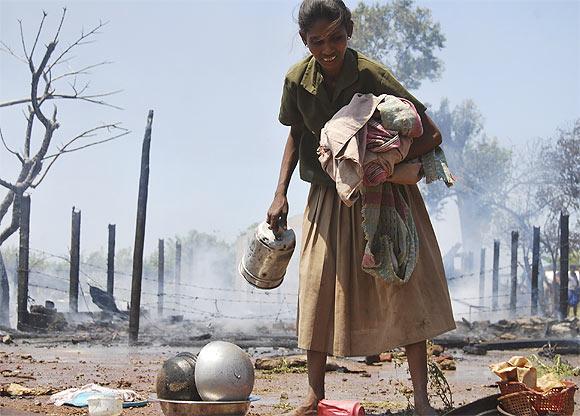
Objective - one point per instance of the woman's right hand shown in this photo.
(406, 173)
(277, 214)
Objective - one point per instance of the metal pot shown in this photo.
(267, 256)
(224, 372)
(176, 378)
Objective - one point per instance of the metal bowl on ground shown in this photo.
(224, 372)
(197, 408)
(176, 378)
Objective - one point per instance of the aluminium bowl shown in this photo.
(202, 408)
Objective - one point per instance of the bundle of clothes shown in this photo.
(360, 148)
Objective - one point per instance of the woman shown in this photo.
(342, 310)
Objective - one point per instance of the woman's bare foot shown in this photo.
(308, 408)
(425, 409)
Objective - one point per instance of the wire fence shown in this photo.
(205, 303)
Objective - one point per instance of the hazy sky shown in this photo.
(213, 73)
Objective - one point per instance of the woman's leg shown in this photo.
(417, 359)
(316, 362)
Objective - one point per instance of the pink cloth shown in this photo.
(389, 149)
(340, 408)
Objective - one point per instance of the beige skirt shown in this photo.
(346, 312)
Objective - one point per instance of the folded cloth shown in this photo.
(355, 149)
(399, 114)
(340, 408)
(392, 243)
(78, 396)
(434, 164)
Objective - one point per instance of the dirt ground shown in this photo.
(383, 388)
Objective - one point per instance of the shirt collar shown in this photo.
(312, 78)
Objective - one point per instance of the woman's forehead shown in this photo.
(324, 28)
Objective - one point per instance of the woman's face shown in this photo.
(327, 42)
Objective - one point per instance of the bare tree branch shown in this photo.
(82, 71)
(10, 150)
(34, 86)
(29, 122)
(7, 185)
(8, 50)
(77, 42)
(88, 98)
(87, 133)
(14, 224)
(5, 205)
(44, 14)
(23, 42)
(60, 24)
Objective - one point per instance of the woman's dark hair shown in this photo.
(313, 10)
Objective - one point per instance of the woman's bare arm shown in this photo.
(278, 212)
(430, 139)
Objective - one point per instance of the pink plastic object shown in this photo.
(340, 408)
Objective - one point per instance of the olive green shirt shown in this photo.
(306, 103)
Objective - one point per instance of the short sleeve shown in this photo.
(289, 113)
(388, 84)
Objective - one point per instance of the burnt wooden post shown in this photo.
(535, 269)
(160, 277)
(140, 235)
(564, 263)
(75, 250)
(177, 271)
(514, 273)
(4, 294)
(495, 275)
(482, 277)
(111, 260)
(23, 255)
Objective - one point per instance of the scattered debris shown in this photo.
(7, 339)
(475, 349)
(18, 390)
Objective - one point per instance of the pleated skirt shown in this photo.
(346, 312)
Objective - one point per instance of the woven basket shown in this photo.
(517, 404)
(559, 400)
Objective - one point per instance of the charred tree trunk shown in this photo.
(160, 277)
(140, 235)
(564, 264)
(111, 261)
(23, 263)
(514, 273)
(495, 275)
(4, 294)
(75, 254)
(535, 269)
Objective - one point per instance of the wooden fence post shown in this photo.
(140, 235)
(564, 263)
(482, 278)
(111, 261)
(514, 274)
(495, 275)
(535, 269)
(75, 250)
(23, 255)
(160, 277)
